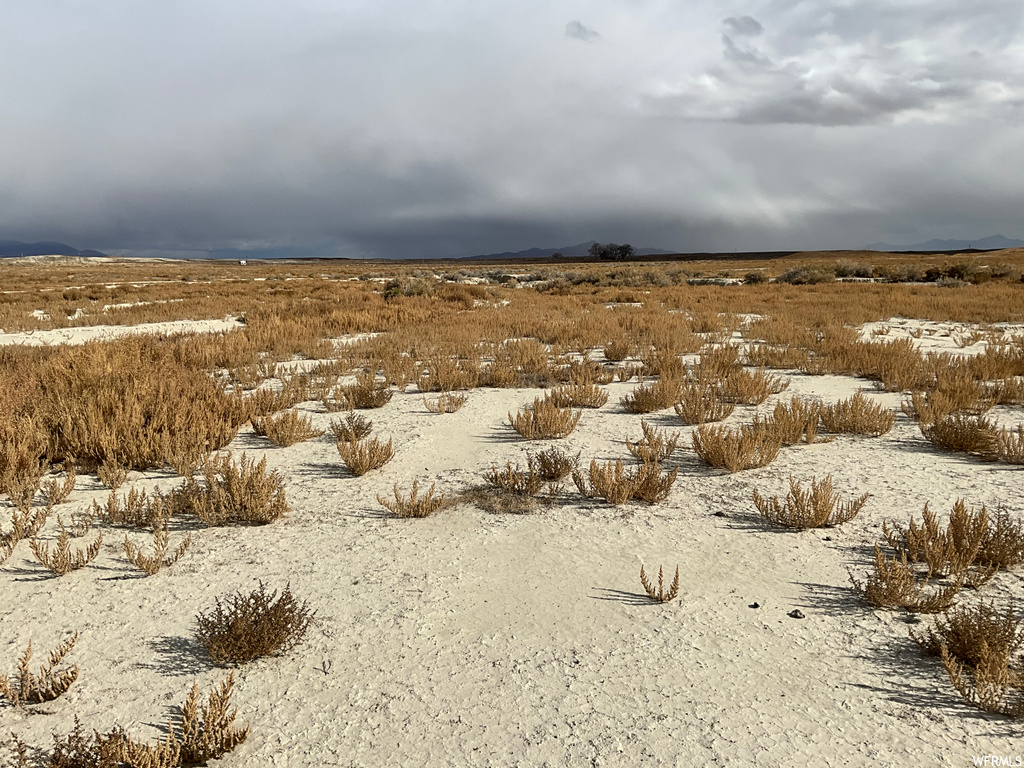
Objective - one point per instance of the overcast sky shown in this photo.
(449, 127)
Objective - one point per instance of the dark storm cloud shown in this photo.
(742, 25)
(577, 30)
(430, 129)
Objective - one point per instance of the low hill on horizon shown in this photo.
(990, 243)
(16, 248)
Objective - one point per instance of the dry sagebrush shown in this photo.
(135, 509)
(246, 626)
(351, 428)
(415, 505)
(234, 493)
(965, 433)
(646, 398)
(286, 429)
(616, 484)
(23, 687)
(752, 388)
(950, 550)
(579, 396)
(655, 445)
(361, 456)
(63, 559)
(893, 584)
(701, 403)
(659, 594)
(797, 421)
(857, 415)
(158, 557)
(818, 507)
(544, 420)
(745, 447)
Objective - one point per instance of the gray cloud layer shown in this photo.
(418, 129)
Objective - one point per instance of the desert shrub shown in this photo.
(333, 404)
(967, 632)
(112, 473)
(360, 456)
(516, 481)
(545, 420)
(23, 459)
(893, 584)
(25, 524)
(927, 407)
(579, 396)
(617, 485)
(992, 685)
(135, 509)
(207, 731)
(964, 432)
(414, 505)
(242, 493)
(796, 421)
(553, 465)
(755, 278)
(617, 350)
(351, 428)
(246, 626)
(745, 447)
(151, 564)
(663, 362)
(444, 372)
(286, 428)
(57, 493)
(367, 392)
(700, 403)
(655, 396)
(446, 402)
(752, 388)
(819, 507)
(1010, 445)
(1003, 543)
(857, 415)
(609, 480)
(807, 275)
(659, 594)
(655, 446)
(62, 559)
(583, 372)
(23, 687)
(946, 551)
(717, 364)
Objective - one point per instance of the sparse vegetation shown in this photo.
(655, 446)
(746, 447)
(23, 687)
(234, 493)
(361, 456)
(701, 403)
(893, 584)
(646, 398)
(946, 551)
(152, 563)
(858, 415)
(446, 402)
(414, 505)
(659, 594)
(63, 559)
(819, 507)
(286, 428)
(351, 428)
(246, 626)
(545, 420)
(579, 396)
(616, 484)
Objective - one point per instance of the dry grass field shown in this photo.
(365, 514)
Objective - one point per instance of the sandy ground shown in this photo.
(82, 334)
(473, 639)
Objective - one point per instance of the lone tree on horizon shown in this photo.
(611, 251)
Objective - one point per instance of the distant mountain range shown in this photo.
(11, 248)
(990, 243)
(569, 251)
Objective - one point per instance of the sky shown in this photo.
(433, 128)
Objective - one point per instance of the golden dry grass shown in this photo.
(62, 559)
(414, 505)
(701, 403)
(796, 421)
(655, 446)
(351, 428)
(646, 398)
(745, 447)
(286, 429)
(858, 416)
(234, 493)
(24, 687)
(817, 507)
(446, 402)
(893, 584)
(616, 484)
(545, 420)
(659, 594)
(966, 433)
(947, 551)
(579, 396)
(158, 558)
(361, 456)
